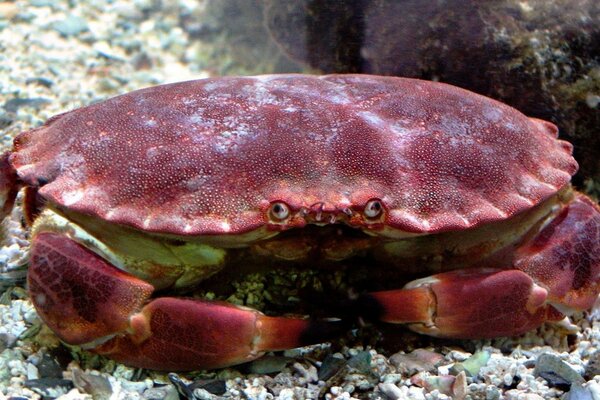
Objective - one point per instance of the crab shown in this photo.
(163, 187)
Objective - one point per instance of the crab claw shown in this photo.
(8, 186)
(554, 273)
(466, 304)
(183, 334)
(89, 302)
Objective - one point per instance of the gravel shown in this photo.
(59, 55)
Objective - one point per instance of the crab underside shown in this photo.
(166, 187)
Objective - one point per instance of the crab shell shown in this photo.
(209, 157)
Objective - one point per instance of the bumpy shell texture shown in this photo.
(209, 156)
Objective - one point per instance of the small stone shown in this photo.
(41, 3)
(49, 367)
(391, 391)
(556, 372)
(49, 387)
(492, 393)
(416, 361)
(202, 394)
(167, 392)
(268, 365)
(13, 105)
(70, 26)
(578, 392)
(308, 374)
(473, 364)
(459, 387)
(441, 383)
(96, 385)
(592, 100)
(5, 119)
(40, 81)
(32, 372)
(594, 388)
(7, 341)
(330, 366)
(182, 388)
(361, 362)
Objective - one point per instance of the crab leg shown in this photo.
(555, 273)
(89, 302)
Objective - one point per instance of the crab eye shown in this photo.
(279, 211)
(373, 208)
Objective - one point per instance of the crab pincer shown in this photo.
(89, 302)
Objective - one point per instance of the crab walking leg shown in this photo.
(555, 273)
(89, 302)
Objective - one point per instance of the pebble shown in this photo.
(417, 361)
(556, 372)
(473, 364)
(96, 385)
(268, 364)
(48, 367)
(578, 392)
(167, 392)
(13, 105)
(182, 388)
(49, 387)
(70, 26)
(391, 391)
(331, 366)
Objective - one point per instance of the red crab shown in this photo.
(165, 186)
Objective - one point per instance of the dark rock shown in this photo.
(361, 362)
(556, 372)
(40, 81)
(49, 387)
(13, 105)
(48, 367)
(8, 341)
(213, 386)
(5, 119)
(330, 366)
(182, 388)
